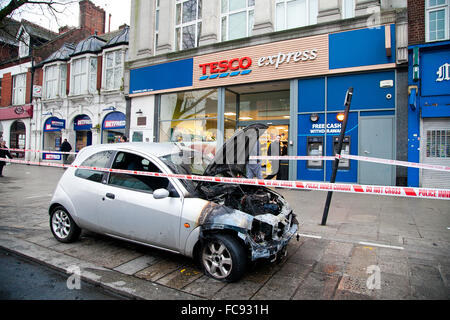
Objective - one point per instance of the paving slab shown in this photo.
(317, 286)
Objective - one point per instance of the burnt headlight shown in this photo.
(261, 231)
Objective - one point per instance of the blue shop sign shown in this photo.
(52, 156)
(114, 120)
(82, 123)
(435, 72)
(54, 124)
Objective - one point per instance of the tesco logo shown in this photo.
(226, 65)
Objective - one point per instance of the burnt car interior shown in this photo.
(130, 161)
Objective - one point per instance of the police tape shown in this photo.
(38, 151)
(359, 158)
(409, 192)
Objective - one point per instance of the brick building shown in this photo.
(24, 45)
(429, 90)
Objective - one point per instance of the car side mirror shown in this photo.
(160, 193)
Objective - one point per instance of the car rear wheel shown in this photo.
(223, 258)
(63, 227)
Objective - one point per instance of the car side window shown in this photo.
(129, 161)
(98, 160)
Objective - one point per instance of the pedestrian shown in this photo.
(3, 154)
(65, 147)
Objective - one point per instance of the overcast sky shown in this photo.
(119, 9)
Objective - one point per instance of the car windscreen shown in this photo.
(187, 162)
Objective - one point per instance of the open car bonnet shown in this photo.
(232, 157)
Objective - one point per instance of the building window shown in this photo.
(438, 143)
(19, 89)
(156, 23)
(188, 24)
(54, 76)
(348, 9)
(437, 20)
(113, 70)
(84, 76)
(295, 13)
(237, 19)
(24, 45)
(188, 116)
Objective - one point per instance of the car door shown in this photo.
(85, 189)
(129, 210)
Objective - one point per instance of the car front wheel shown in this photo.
(63, 227)
(223, 258)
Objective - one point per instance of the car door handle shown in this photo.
(110, 195)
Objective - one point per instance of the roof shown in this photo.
(121, 37)
(37, 31)
(62, 54)
(8, 31)
(92, 44)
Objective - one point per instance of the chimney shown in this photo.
(63, 29)
(92, 17)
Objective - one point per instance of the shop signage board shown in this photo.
(274, 61)
(114, 120)
(82, 122)
(54, 124)
(51, 156)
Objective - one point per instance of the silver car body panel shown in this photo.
(178, 223)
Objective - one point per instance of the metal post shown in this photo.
(348, 100)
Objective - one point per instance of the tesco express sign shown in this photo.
(236, 66)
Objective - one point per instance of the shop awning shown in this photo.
(114, 120)
(54, 124)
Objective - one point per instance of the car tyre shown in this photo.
(223, 258)
(63, 227)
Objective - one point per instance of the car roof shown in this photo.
(152, 148)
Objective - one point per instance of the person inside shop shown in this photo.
(3, 154)
(274, 150)
(65, 147)
(124, 139)
(253, 168)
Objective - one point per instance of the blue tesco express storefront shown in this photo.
(312, 75)
(429, 113)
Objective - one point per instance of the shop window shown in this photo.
(438, 143)
(19, 89)
(113, 70)
(264, 106)
(188, 24)
(189, 116)
(98, 160)
(295, 13)
(55, 81)
(129, 161)
(237, 19)
(84, 75)
(437, 20)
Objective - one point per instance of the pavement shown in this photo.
(373, 247)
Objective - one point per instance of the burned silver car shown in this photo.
(223, 226)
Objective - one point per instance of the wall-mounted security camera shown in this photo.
(388, 96)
